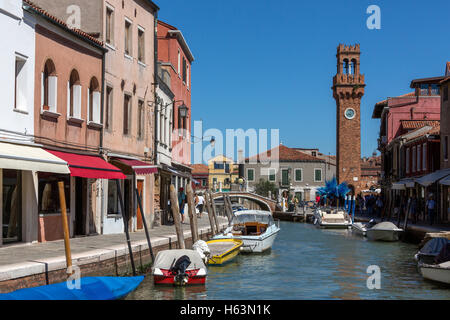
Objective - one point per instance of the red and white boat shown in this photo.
(179, 267)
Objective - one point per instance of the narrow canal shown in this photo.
(309, 263)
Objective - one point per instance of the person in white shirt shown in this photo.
(199, 203)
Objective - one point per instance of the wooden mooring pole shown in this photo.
(210, 214)
(125, 225)
(213, 207)
(192, 213)
(65, 225)
(227, 205)
(144, 222)
(176, 217)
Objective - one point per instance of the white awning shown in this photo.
(403, 184)
(23, 157)
(398, 186)
(431, 178)
(445, 181)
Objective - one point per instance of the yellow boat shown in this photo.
(223, 250)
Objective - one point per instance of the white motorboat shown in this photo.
(433, 260)
(360, 228)
(436, 272)
(255, 228)
(383, 231)
(332, 218)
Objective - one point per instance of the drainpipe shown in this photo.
(155, 62)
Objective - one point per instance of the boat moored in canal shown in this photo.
(384, 231)
(223, 250)
(179, 267)
(88, 288)
(433, 260)
(360, 228)
(332, 218)
(256, 228)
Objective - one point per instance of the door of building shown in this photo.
(80, 206)
(140, 188)
(307, 194)
(12, 206)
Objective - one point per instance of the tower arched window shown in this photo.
(49, 83)
(353, 66)
(74, 95)
(94, 101)
(346, 66)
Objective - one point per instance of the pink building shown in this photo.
(176, 57)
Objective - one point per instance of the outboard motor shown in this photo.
(179, 270)
(371, 223)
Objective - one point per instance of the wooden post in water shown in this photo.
(213, 206)
(65, 225)
(210, 215)
(176, 217)
(227, 207)
(125, 225)
(192, 213)
(138, 198)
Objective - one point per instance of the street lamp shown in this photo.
(183, 110)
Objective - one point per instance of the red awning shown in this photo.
(139, 167)
(89, 166)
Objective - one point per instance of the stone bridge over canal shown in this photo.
(264, 202)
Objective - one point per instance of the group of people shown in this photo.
(199, 202)
(372, 206)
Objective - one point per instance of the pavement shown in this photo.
(22, 260)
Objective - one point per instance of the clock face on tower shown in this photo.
(350, 113)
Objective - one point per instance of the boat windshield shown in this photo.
(249, 217)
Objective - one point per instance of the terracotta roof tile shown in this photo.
(285, 154)
(199, 168)
(414, 124)
(62, 23)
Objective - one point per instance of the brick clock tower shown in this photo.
(348, 89)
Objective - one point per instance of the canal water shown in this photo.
(310, 263)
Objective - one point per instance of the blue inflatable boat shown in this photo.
(90, 288)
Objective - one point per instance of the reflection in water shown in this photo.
(309, 263)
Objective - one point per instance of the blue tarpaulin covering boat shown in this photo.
(90, 288)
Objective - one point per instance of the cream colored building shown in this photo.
(222, 173)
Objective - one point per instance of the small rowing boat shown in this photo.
(89, 288)
(179, 267)
(223, 250)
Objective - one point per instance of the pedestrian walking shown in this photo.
(199, 203)
(413, 208)
(431, 207)
(379, 204)
(181, 202)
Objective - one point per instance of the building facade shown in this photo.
(294, 171)
(200, 177)
(222, 173)
(125, 122)
(21, 159)
(176, 57)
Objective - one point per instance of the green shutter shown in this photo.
(271, 175)
(318, 174)
(250, 175)
(298, 175)
(284, 177)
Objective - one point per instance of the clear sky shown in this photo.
(270, 63)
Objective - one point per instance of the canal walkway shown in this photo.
(27, 265)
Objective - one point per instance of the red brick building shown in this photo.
(200, 174)
(176, 57)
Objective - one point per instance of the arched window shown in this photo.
(49, 82)
(346, 66)
(353, 66)
(94, 101)
(74, 95)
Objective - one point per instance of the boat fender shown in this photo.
(203, 250)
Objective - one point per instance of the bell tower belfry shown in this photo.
(348, 89)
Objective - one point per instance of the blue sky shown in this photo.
(270, 63)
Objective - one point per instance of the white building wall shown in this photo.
(164, 155)
(18, 40)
